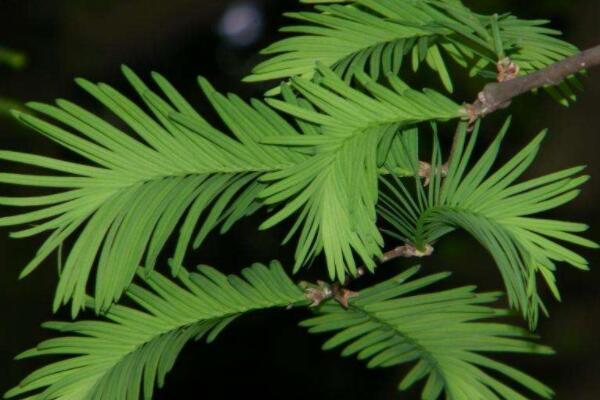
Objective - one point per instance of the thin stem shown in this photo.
(497, 95)
(406, 251)
(322, 291)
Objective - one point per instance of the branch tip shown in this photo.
(498, 95)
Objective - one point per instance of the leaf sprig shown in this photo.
(129, 352)
(442, 333)
(432, 32)
(129, 196)
(497, 211)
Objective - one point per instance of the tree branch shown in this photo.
(321, 291)
(497, 95)
(406, 251)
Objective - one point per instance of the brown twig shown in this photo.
(498, 95)
(323, 291)
(426, 170)
(407, 251)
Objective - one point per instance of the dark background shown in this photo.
(267, 355)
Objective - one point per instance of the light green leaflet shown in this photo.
(129, 352)
(132, 192)
(444, 335)
(497, 211)
(387, 33)
(336, 189)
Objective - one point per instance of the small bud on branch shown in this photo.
(323, 291)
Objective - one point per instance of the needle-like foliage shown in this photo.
(336, 155)
(444, 334)
(129, 352)
(385, 32)
(336, 189)
(129, 197)
(497, 211)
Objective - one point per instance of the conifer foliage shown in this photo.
(335, 151)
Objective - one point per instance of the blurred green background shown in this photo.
(267, 355)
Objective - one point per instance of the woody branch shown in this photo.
(497, 95)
